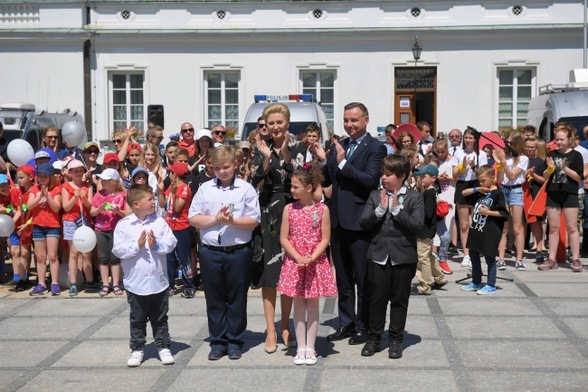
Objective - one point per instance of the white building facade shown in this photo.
(204, 61)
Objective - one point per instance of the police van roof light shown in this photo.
(282, 98)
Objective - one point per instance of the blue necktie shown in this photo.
(351, 148)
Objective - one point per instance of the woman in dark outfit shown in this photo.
(273, 165)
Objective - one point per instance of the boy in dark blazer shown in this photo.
(394, 218)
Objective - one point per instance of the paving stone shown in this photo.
(507, 327)
(8, 306)
(8, 376)
(44, 327)
(390, 379)
(66, 307)
(121, 380)
(579, 325)
(567, 306)
(493, 305)
(26, 354)
(228, 379)
(560, 355)
(568, 290)
(519, 380)
(113, 354)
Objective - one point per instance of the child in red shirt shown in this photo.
(177, 202)
(77, 200)
(45, 203)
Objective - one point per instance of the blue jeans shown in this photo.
(444, 238)
(477, 268)
(181, 255)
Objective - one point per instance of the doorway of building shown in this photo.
(415, 95)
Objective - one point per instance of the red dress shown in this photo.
(316, 279)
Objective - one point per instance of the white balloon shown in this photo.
(6, 225)
(20, 152)
(84, 239)
(73, 132)
(63, 278)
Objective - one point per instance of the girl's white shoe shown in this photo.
(300, 359)
(310, 359)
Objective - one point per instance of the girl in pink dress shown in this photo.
(306, 274)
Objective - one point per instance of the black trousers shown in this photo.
(389, 283)
(226, 277)
(154, 308)
(349, 250)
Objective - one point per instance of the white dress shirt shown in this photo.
(211, 197)
(145, 269)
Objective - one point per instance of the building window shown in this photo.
(515, 88)
(321, 84)
(222, 98)
(126, 96)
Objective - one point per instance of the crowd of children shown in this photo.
(155, 215)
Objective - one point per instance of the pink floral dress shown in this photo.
(315, 280)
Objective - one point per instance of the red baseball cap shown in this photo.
(134, 146)
(27, 169)
(179, 168)
(111, 156)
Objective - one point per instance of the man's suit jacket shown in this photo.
(352, 185)
(394, 236)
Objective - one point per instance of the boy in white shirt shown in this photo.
(142, 240)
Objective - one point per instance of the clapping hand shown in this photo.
(142, 239)
(151, 239)
(384, 198)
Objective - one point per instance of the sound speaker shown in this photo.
(155, 115)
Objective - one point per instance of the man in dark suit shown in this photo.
(353, 169)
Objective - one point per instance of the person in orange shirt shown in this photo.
(188, 142)
(45, 202)
(176, 201)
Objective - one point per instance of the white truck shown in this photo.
(24, 121)
(568, 102)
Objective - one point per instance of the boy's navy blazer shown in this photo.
(394, 236)
(352, 185)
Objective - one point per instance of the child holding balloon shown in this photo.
(45, 203)
(6, 221)
(108, 206)
(77, 200)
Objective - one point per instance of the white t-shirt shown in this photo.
(523, 164)
(584, 153)
(469, 174)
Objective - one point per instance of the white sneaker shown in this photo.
(466, 262)
(135, 359)
(166, 357)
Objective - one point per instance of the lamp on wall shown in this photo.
(416, 50)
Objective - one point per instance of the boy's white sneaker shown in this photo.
(166, 357)
(135, 359)
(466, 262)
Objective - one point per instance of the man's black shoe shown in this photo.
(395, 350)
(234, 353)
(371, 347)
(359, 338)
(216, 354)
(341, 333)
(188, 292)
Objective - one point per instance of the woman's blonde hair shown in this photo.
(276, 108)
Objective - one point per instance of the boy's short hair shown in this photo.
(137, 192)
(181, 151)
(223, 154)
(396, 164)
(486, 170)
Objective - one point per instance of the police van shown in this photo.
(303, 111)
(24, 121)
(568, 102)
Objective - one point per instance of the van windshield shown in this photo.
(295, 128)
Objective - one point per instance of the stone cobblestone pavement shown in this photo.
(532, 335)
